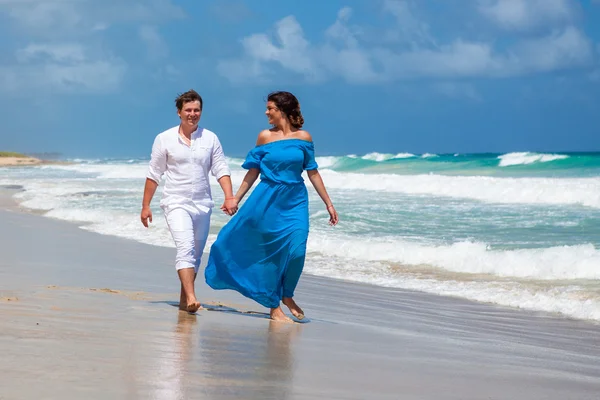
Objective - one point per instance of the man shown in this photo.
(185, 154)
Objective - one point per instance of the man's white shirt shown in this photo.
(186, 167)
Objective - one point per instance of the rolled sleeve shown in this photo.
(219, 167)
(158, 161)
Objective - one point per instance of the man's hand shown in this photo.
(230, 206)
(146, 215)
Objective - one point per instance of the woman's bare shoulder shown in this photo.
(263, 137)
(304, 135)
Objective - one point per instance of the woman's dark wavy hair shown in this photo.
(288, 104)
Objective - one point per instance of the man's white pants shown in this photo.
(189, 227)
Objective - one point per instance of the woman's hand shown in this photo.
(333, 216)
(317, 181)
(230, 206)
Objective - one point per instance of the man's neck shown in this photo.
(187, 131)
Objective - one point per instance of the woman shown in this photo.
(260, 252)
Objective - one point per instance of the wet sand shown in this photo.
(87, 316)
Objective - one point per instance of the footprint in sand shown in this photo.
(105, 290)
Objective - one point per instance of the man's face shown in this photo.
(190, 113)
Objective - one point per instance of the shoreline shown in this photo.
(7, 202)
(92, 316)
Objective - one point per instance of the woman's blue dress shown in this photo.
(260, 252)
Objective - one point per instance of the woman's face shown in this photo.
(273, 113)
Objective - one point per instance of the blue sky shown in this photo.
(89, 78)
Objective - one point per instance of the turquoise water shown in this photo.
(517, 229)
(510, 165)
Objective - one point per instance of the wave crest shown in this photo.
(524, 158)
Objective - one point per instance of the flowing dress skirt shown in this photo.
(260, 252)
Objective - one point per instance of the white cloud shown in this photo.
(409, 28)
(560, 50)
(456, 60)
(155, 44)
(62, 67)
(460, 59)
(63, 17)
(67, 53)
(341, 31)
(43, 15)
(342, 54)
(528, 14)
(289, 49)
(63, 52)
(88, 77)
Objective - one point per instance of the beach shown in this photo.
(18, 161)
(86, 315)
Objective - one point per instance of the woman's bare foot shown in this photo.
(278, 315)
(294, 308)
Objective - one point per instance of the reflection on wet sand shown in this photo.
(280, 357)
(251, 361)
(216, 359)
(174, 357)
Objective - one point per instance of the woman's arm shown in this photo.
(317, 182)
(253, 173)
(247, 183)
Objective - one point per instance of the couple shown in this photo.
(260, 252)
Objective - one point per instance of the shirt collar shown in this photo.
(197, 133)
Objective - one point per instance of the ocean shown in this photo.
(518, 230)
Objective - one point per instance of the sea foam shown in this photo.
(528, 158)
(574, 191)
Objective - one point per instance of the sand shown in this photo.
(87, 316)
(18, 161)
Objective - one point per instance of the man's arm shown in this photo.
(220, 170)
(156, 168)
(230, 205)
(226, 186)
(149, 190)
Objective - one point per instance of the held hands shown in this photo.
(333, 216)
(146, 216)
(230, 206)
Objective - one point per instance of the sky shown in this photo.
(89, 78)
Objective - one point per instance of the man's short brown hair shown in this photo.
(190, 95)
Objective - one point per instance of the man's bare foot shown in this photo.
(190, 306)
(294, 308)
(187, 296)
(278, 315)
(182, 300)
(193, 306)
